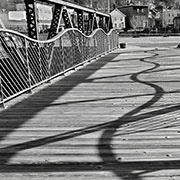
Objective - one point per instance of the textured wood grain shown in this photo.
(117, 118)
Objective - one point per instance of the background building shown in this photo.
(118, 19)
(137, 16)
(176, 24)
(16, 20)
(169, 15)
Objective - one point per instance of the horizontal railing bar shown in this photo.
(57, 36)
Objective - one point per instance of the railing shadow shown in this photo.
(13, 117)
(133, 117)
(124, 170)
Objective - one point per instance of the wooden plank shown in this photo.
(117, 118)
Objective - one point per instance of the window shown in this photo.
(146, 24)
(142, 10)
(138, 10)
(122, 24)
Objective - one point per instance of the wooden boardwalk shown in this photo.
(117, 118)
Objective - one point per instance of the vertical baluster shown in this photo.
(88, 53)
(72, 36)
(40, 61)
(62, 54)
(108, 43)
(94, 39)
(50, 52)
(80, 47)
(89, 44)
(1, 86)
(48, 61)
(28, 65)
(84, 48)
(101, 44)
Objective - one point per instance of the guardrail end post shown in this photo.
(29, 91)
(2, 104)
(48, 81)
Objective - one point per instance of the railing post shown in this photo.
(108, 43)
(50, 51)
(81, 48)
(28, 66)
(62, 54)
(88, 49)
(1, 87)
(72, 36)
(40, 61)
(95, 50)
(84, 48)
(101, 45)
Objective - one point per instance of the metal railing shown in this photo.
(26, 63)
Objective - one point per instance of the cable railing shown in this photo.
(26, 63)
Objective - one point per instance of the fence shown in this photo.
(26, 63)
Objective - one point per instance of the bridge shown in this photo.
(77, 106)
(84, 18)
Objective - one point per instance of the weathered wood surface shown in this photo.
(117, 118)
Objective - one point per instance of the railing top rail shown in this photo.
(27, 65)
(57, 36)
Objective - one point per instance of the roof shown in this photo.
(177, 17)
(116, 9)
(138, 6)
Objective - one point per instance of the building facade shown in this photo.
(118, 19)
(137, 16)
(176, 24)
(168, 16)
(139, 2)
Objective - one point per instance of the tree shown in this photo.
(3, 4)
(177, 5)
(81, 2)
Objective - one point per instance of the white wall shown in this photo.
(118, 19)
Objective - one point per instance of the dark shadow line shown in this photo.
(129, 74)
(75, 133)
(124, 82)
(113, 126)
(91, 166)
(162, 70)
(59, 88)
(157, 57)
(112, 98)
(159, 92)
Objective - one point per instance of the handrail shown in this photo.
(58, 35)
(26, 63)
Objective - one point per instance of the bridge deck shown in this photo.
(117, 118)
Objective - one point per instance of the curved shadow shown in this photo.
(129, 117)
(111, 162)
(13, 117)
